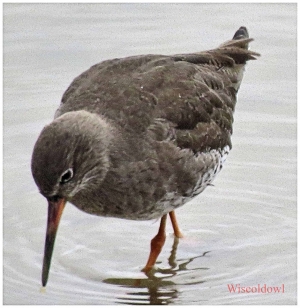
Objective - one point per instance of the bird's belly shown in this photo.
(206, 178)
(215, 160)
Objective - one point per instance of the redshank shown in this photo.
(137, 137)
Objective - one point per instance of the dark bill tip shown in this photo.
(55, 209)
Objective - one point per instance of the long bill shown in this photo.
(55, 209)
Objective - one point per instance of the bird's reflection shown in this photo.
(157, 288)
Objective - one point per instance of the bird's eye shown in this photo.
(66, 176)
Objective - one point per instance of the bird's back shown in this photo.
(190, 97)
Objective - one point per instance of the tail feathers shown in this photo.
(241, 33)
(237, 48)
(228, 54)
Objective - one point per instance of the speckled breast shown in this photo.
(213, 162)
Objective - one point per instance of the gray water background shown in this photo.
(241, 231)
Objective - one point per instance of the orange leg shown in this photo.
(156, 244)
(175, 225)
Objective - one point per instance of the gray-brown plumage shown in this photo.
(137, 137)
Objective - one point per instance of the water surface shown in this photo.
(241, 231)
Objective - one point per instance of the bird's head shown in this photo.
(71, 155)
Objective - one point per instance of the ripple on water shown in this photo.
(242, 231)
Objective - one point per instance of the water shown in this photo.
(242, 231)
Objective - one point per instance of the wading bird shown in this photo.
(137, 137)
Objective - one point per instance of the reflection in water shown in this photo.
(158, 287)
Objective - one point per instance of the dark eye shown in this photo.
(66, 176)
